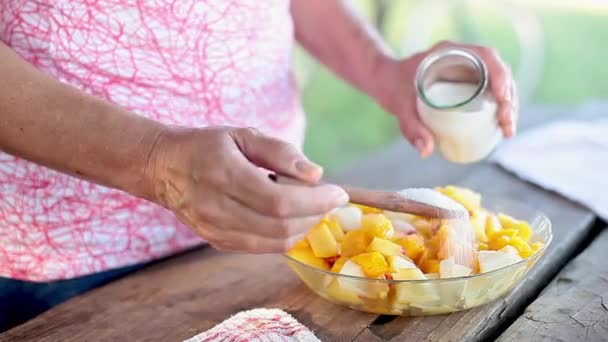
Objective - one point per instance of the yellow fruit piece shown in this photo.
(537, 246)
(482, 246)
(510, 232)
(335, 228)
(301, 244)
(397, 262)
(468, 198)
(493, 226)
(306, 256)
(377, 225)
(523, 228)
(499, 242)
(522, 247)
(368, 210)
(430, 266)
(413, 245)
(337, 266)
(355, 242)
(336, 292)
(322, 242)
(373, 264)
(385, 247)
(525, 231)
(478, 221)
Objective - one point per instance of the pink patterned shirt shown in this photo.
(186, 62)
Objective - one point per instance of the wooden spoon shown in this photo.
(385, 200)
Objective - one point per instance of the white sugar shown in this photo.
(432, 197)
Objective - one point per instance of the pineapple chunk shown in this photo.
(468, 198)
(306, 256)
(499, 242)
(349, 217)
(478, 221)
(537, 246)
(355, 242)
(386, 247)
(336, 292)
(377, 225)
(374, 265)
(522, 227)
(493, 226)
(413, 245)
(398, 262)
(360, 287)
(301, 244)
(335, 228)
(323, 242)
(337, 266)
(521, 246)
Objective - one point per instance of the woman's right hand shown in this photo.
(216, 181)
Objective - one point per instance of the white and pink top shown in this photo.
(185, 62)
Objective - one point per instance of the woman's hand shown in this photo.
(214, 180)
(396, 93)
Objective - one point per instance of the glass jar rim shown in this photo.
(433, 58)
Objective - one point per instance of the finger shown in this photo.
(514, 107)
(234, 241)
(276, 155)
(252, 188)
(416, 132)
(232, 214)
(500, 85)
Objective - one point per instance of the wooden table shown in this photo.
(182, 296)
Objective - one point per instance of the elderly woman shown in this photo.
(133, 130)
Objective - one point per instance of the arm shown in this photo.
(57, 126)
(209, 177)
(336, 35)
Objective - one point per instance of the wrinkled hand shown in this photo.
(216, 181)
(395, 91)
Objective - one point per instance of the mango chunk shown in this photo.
(385, 247)
(413, 245)
(355, 242)
(305, 255)
(322, 242)
(377, 225)
(373, 264)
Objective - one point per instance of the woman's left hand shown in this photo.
(395, 92)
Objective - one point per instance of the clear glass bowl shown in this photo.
(431, 296)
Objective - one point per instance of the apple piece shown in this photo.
(452, 292)
(360, 287)
(336, 292)
(493, 260)
(337, 266)
(398, 262)
(385, 247)
(416, 293)
(349, 217)
(449, 269)
(322, 242)
(431, 275)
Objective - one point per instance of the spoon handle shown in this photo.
(385, 200)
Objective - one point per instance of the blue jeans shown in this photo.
(23, 300)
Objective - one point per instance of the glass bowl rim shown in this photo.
(542, 217)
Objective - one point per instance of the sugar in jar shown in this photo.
(455, 103)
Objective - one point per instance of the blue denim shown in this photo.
(22, 300)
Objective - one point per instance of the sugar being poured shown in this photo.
(458, 241)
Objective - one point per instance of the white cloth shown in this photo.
(268, 325)
(569, 157)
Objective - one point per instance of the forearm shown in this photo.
(55, 125)
(338, 37)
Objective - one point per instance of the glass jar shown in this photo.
(455, 103)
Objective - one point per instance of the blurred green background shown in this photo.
(557, 50)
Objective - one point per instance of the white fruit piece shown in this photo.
(402, 223)
(360, 287)
(493, 260)
(398, 262)
(449, 269)
(336, 292)
(349, 217)
(416, 293)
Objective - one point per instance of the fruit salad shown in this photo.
(365, 242)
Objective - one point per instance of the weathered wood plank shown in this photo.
(178, 298)
(575, 306)
(570, 225)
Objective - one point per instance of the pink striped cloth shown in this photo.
(268, 325)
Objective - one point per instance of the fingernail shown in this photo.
(339, 195)
(308, 168)
(420, 145)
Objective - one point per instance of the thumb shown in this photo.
(276, 155)
(416, 133)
